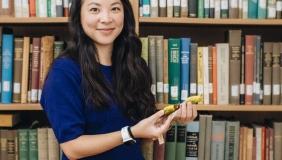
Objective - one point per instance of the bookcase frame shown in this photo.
(147, 20)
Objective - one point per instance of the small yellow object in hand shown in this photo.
(194, 99)
(170, 109)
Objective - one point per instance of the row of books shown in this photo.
(224, 73)
(25, 61)
(35, 8)
(29, 144)
(209, 139)
(253, 9)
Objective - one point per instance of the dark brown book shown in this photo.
(7, 8)
(192, 8)
(281, 72)
(276, 74)
(159, 151)
(235, 62)
(193, 69)
(18, 59)
(242, 72)
(11, 142)
(3, 144)
(249, 70)
(35, 69)
(66, 8)
(267, 70)
(29, 74)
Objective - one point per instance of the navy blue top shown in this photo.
(70, 118)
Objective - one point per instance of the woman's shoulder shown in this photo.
(65, 63)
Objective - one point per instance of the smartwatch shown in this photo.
(127, 137)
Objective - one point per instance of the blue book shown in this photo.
(7, 67)
(253, 9)
(146, 8)
(185, 68)
(262, 9)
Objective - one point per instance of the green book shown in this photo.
(23, 144)
(174, 70)
(32, 144)
(200, 8)
(170, 144)
(181, 142)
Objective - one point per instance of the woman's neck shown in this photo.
(105, 54)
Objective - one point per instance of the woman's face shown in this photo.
(102, 20)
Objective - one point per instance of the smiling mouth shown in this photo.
(105, 29)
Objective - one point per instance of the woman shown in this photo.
(97, 94)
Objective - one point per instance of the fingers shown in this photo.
(186, 113)
(157, 115)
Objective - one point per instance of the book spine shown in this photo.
(185, 71)
(166, 83)
(152, 62)
(267, 70)
(162, 8)
(59, 8)
(176, 8)
(18, 64)
(146, 8)
(32, 144)
(192, 140)
(174, 70)
(192, 8)
(25, 66)
(249, 70)
(276, 74)
(180, 142)
(200, 73)
(159, 70)
(154, 8)
(193, 69)
(7, 67)
(170, 145)
(23, 144)
(35, 69)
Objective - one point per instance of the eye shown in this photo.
(94, 10)
(115, 9)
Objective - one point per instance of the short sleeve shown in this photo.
(62, 102)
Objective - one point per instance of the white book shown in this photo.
(25, 8)
(217, 9)
(18, 8)
(169, 8)
(42, 8)
(154, 8)
(271, 9)
(245, 9)
(222, 52)
(206, 75)
(53, 8)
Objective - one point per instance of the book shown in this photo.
(185, 68)
(18, 65)
(9, 119)
(192, 140)
(170, 145)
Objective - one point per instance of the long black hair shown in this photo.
(131, 76)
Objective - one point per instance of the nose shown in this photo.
(106, 17)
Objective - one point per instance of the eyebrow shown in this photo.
(97, 4)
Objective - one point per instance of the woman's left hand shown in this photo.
(186, 113)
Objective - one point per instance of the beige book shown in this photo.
(147, 147)
(165, 70)
(154, 8)
(169, 8)
(144, 52)
(222, 50)
(53, 146)
(206, 75)
(159, 68)
(200, 73)
(184, 8)
(42, 141)
(234, 9)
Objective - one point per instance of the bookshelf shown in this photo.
(154, 25)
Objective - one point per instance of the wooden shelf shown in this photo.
(237, 108)
(20, 107)
(212, 21)
(32, 20)
(228, 108)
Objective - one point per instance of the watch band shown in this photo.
(126, 138)
(130, 133)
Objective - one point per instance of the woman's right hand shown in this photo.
(153, 126)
